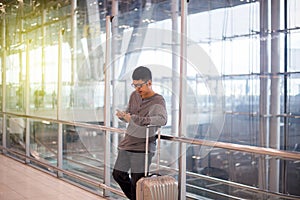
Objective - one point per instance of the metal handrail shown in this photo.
(216, 144)
(81, 124)
(237, 147)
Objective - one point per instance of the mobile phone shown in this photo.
(119, 111)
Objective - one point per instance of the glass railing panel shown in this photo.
(83, 151)
(292, 176)
(44, 141)
(220, 164)
(223, 174)
(15, 134)
(116, 138)
(168, 154)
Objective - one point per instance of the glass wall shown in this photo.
(40, 48)
(52, 60)
(231, 67)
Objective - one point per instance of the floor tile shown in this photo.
(21, 182)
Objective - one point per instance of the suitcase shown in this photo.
(156, 187)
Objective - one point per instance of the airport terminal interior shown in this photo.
(229, 71)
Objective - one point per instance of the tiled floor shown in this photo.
(20, 182)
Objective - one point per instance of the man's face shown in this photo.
(142, 87)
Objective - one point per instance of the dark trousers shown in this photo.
(133, 162)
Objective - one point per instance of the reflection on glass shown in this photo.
(83, 151)
(44, 141)
(15, 135)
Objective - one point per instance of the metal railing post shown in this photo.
(107, 105)
(182, 103)
(59, 94)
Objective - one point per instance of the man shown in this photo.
(145, 107)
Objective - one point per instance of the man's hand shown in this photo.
(123, 116)
(127, 117)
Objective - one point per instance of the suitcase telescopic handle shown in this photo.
(147, 147)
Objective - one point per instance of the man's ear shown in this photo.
(149, 82)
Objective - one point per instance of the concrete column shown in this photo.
(275, 93)
(264, 102)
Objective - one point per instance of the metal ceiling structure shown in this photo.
(29, 13)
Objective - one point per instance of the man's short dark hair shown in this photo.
(142, 73)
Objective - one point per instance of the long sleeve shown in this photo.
(150, 111)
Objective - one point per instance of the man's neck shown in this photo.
(151, 94)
